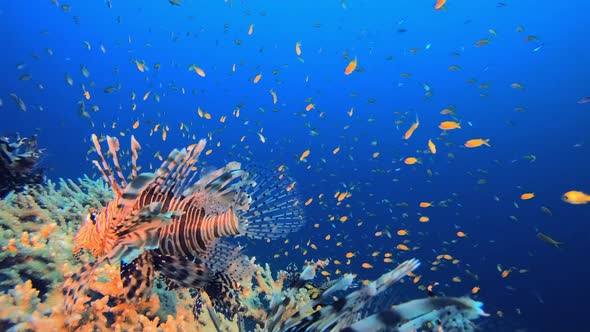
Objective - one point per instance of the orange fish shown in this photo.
(439, 4)
(410, 161)
(425, 204)
(475, 290)
(304, 155)
(251, 29)
(257, 78)
(449, 125)
(140, 66)
(482, 42)
(197, 70)
(431, 146)
(424, 219)
(350, 67)
(309, 107)
(413, 127)
(461, 234)
(477, 142)
(576, 197)
(402, 247)
(527, 196)
(298, 48)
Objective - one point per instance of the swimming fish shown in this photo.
(576, 197)
(477, 142)
(549, 240)
(166, 222)
(449, 125)
(350, 67)
(439, 4)
(355, 311)
(412, 128)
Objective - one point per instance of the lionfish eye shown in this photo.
(92, 217)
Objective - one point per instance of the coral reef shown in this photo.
(37, 230)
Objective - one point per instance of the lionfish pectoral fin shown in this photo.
(75, 286)
(183, 271)
(138, 277)
(139, 232)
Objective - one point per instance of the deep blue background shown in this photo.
(550, 297)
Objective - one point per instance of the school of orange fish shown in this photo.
(317, 157)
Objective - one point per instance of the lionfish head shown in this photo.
(91, 233)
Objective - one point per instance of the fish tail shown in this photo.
(273, 208)
(487, 142)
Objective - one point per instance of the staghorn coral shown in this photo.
(37, 227)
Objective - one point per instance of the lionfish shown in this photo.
(169, 223)
(361, 310)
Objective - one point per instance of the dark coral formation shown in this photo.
(19, 158)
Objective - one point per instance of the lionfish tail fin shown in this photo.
(273, 210)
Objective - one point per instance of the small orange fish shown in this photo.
(461, 234)
(402, 232)
(309, 107)
(425, 204)
(527, 196)
(505, 273)
(431, 146)
(257, 78)
(424, 219)
(413, 127)
(439, 4)
(251, 29)
(576, 197)
(477, 142)
(304, 155)
(449, 125)
(410, 161)
(140, 66)
(197, 70)
(475, 290)
(367, 266)
(136, 124)
(482, 42)
(402, 247)
(298, 48)
(350, 67)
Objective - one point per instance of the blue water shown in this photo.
(553, 126)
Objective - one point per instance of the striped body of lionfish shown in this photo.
(171, 223)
